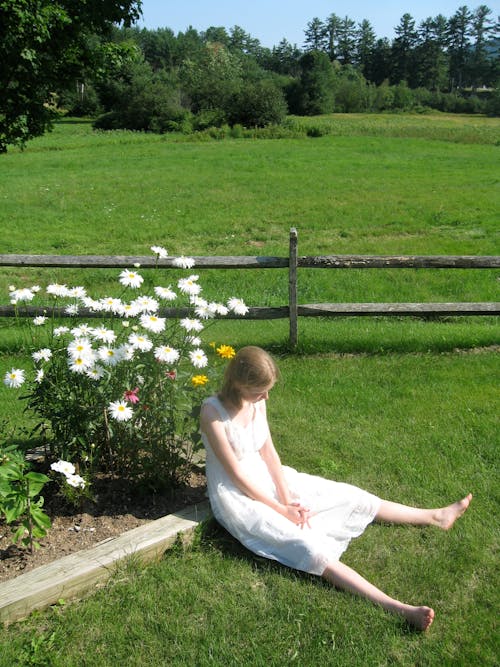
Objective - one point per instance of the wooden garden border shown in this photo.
(72, 576)
(293, 262)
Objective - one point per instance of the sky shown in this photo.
(272, 20)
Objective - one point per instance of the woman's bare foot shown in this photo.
(446, 516)
(419, 617)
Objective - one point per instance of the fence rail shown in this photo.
(293, 310)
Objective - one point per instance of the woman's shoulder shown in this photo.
(212, 408)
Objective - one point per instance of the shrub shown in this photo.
(259, 104)
(123, 396)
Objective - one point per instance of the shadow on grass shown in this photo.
(211, 535)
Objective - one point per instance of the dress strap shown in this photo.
(216, 403)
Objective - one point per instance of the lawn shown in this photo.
(403, 407)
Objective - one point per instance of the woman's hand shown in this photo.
(298, 514)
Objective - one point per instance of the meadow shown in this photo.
(404, 407)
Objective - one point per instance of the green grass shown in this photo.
(404, 407)
(419, 428)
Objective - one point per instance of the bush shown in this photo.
(493, 104)
(149, 102)
(123, 397)
(259, 104)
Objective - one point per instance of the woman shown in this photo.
(300, 520)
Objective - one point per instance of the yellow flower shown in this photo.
(226, 351)
(199, 380)
(212, 344)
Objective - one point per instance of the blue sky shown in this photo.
(271, 20)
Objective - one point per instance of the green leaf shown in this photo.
(36, 482)
(39, 517)
(18, 534)
(14, 509)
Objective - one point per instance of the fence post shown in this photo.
(292, 288)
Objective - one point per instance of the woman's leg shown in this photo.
(442, 517)
(344, 577)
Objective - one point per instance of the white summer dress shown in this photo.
(343, 510)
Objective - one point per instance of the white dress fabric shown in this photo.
(343, 510)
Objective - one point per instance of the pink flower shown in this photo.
(131, 395)
(171, 374)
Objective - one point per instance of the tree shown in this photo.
(431, 62)
(347, 41)
(481, 27)
(316, 36)
(314, 93)
(258, 104)
(332, 27)
(212, 81)
(285, 58)
(158, 47)
(365, 45)
(379, 69)
(403, 50)
(458, 45)
(44, 43)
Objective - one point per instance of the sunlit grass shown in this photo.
(404, 407)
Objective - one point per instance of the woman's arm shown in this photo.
(213, 428)
(272, 460)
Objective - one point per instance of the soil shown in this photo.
(115, 509)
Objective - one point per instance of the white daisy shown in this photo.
(218, 308)
(189, 285)
(57, 290)
(14, 378)
(145, 304)
(191, 324)
(77, 292)
(95, 373)
(109, 356)
(79, 364)
(92, 304)
(111, 305)
(42, 355)
(129, 310)
(237, 306)
(59, 331)
(165, 293)
(158, 250)
(198, 358)
(22, 294)
(139, 342)
(72, 309)
(39, 375)
(80, 347)
(104, 334)
(167, 354)
(75, 481)
(153, 323)
(64, 467)
(130, 278)
(183, 262)
(204, 311)
(125, 352)
(38, 321)
(195, 341)
(120, 411)
(82, 330)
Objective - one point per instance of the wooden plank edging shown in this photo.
(72, 576)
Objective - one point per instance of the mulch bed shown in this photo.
(115, 510)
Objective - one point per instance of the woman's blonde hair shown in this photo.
(251, 368)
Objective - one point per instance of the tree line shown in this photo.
(156, 80)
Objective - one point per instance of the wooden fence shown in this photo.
(293, 310)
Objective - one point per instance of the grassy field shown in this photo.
(403, 407)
